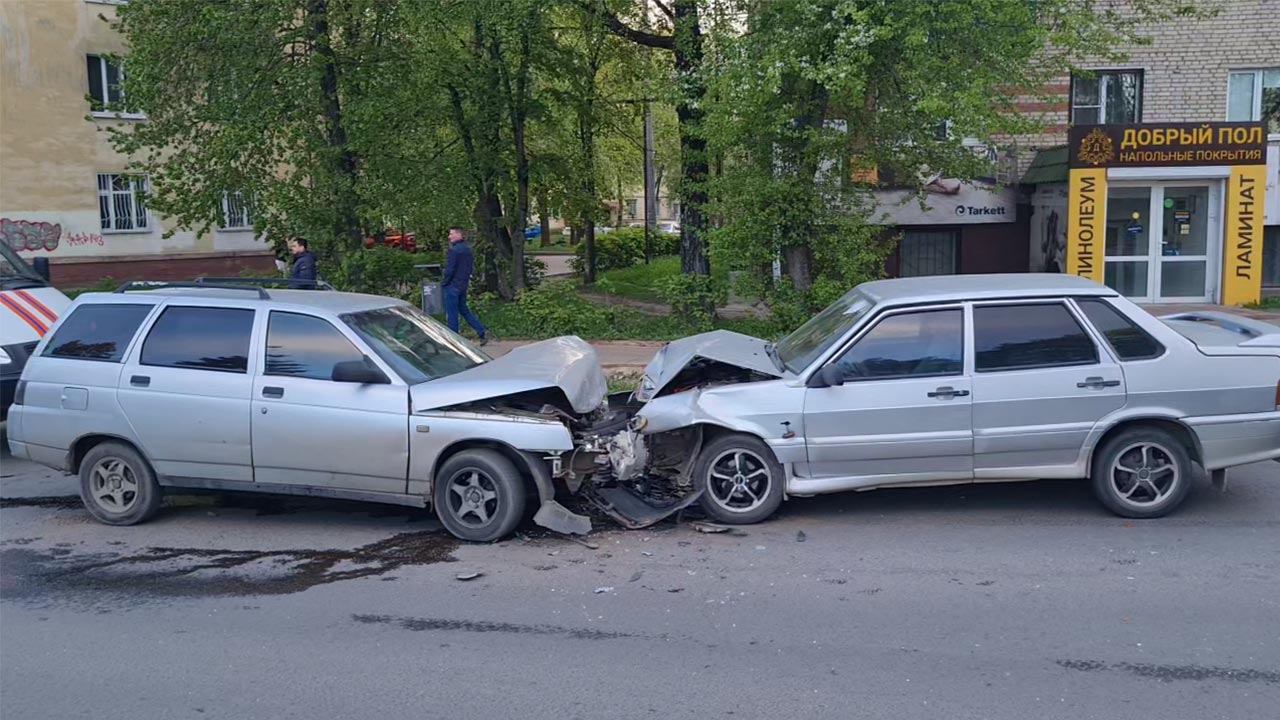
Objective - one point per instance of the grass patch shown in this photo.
(641, 282)
(1267, 303)
(106, 284)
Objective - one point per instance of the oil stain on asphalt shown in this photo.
(478, 626)
(1172, 673)
(56, 576)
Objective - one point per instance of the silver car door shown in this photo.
(185, 391)
(309, 429)
(1040, 385)
(902, 414)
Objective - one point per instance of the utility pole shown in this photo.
(650, 202)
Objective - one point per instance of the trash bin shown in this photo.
(432, 295)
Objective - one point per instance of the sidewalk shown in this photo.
(616, 355)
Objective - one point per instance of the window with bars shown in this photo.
(1106, 97)
(235, 211)
(928, 252)
(121, 205)
(632, 207)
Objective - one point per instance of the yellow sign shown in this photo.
(1087, 222)
(1242, 241)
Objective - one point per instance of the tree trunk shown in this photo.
(544, 219)
(693, 147)
(800, 266)
(517, 101)
(346, 225)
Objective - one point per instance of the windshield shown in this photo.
(417, 347)
(15, 273)
(799, 349)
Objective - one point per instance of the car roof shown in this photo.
(937, 288)
(326, 300)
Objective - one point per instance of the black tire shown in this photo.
(118, 486)
(466, 511)
(1147, 489)
(735, 494)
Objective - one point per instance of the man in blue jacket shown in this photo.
(457, 275)
(304, 265)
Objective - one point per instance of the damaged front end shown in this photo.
(642, 472)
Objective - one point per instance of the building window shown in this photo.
(631, 208)
(120, 202)
(1254, 95)
(235, 211)
(1271, 256)
(104, 82)
(1106, 97)
(928, 252)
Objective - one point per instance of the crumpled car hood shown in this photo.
(723, 346)
(568, 363)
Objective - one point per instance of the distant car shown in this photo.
(600, 230)
(532, 232)
(400, 241)
(956, 379)
(303, 392)
(669, 227)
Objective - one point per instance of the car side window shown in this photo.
(1129, 341)
(97, 332)
(306, 346)
(914, 344)
(200, 338)
(1016, 337)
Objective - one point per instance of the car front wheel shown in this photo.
(741, 479)
(1142, 473)
(479, 495)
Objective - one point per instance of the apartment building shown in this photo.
(1158, 175)
(64, 192)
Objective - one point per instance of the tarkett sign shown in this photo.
(1242, 146)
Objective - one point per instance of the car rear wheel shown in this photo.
(118, 486)
(479, 495)
(1142, 473)
(741, 479)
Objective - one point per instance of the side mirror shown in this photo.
(41, 266)
(363, 372)
(828, 376)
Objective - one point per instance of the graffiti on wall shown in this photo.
(25, 235)
(32, 236)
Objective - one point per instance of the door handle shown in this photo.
(272, 392)
(140, 381)
(948, 393)
(1094, 383)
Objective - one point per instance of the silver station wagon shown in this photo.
(304, 392)
(956, 379)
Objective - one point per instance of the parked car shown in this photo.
(669, 227)
(301, 392)
(533, 232)
(29, 305)
(955, 379)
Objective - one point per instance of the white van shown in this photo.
(29, 306)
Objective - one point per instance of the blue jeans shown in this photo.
(455, 303)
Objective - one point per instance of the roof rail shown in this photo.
(160, 285)
(285, 282)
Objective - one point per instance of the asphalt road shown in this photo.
(992, 601)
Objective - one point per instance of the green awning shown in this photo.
(1048, 166)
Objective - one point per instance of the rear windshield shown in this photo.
(97, 332)
(417, 347)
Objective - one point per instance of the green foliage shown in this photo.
(624, 248)
(644, 280)
(381, 271)
(106, 284)
(1267, 303)
(693, 298)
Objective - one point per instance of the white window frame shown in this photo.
(1100, 74)
(141, 219)
(1255, 113)
(246, 214)
(106, 88)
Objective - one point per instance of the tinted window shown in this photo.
(97, 332)
(908, 345)
(1008, 337)
(203, 338)
(1128, 340)
(306, 346)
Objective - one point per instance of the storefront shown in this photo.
(1169, 212)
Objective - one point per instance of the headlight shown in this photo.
(646, 390)
(4, 357)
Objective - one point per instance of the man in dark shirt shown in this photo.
(457, 275)
(304, 265)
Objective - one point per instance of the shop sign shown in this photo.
(1167, 144)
